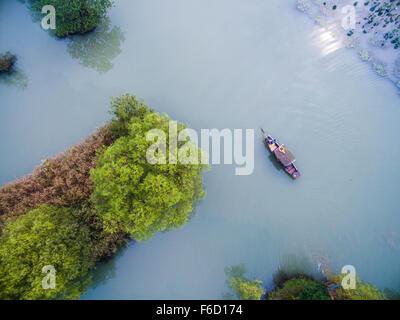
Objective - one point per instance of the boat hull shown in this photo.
(273, 147)
(292, 171)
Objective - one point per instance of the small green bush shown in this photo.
(246, 289)
(124, 109)
(363, 291)
(75, 16)
(7, 62)
(242, 287)
(300, 289)
(315, 291)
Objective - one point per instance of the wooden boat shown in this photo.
(282, 155)
(332, 286)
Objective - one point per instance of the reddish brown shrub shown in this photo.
(65, 181)
(60, 181)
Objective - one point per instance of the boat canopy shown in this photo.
(284, 155)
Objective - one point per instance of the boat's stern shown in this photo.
(296, 175)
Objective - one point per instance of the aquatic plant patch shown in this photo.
(60, 181)
(369, 27)
(7, 61)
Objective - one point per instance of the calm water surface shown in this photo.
(223, 64)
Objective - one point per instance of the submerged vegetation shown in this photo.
(98, 49)
(384, 16)
(374, 29)
(81, 206)
(304, 287)
(242, 287)
(92, 39)
(295, 280)
(7, 61)
(9, 74)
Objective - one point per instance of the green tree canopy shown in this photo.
(315, 290)
(243, 288)
(363, 291)
(44, 236)
(300, 289)
(246, 289)
(124, 109)
(130, 193)
(75, 16)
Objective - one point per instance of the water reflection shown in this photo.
(328, 40)
(299, 265)
(390, 239)
(16, 79)
(105, 270)
(237, 271)
(296, 265)
(391, 294)
(35, 13)
(99, 48)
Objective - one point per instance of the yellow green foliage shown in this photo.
(133, 195)
(124, 109)
(44, 236)
(246, 289)
(363, 291)
(242, 287)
